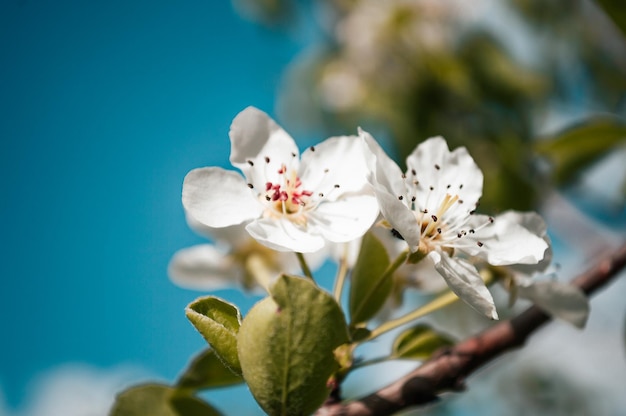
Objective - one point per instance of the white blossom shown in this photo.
(287, 204)
(234, 260)
(432, 207)
(559, 299)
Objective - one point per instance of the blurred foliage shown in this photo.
(488, 76)
(159, 400)
(419, 343)
(581, 145)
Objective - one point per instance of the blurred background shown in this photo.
(106, 106)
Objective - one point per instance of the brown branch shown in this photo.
(448, 370)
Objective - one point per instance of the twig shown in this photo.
(448, 369)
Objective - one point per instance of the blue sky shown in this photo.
(104, 108)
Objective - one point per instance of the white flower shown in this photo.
(558, 299)
(234, 260)
(432, 207)
(288, 205)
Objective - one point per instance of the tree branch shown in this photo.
(449, 368)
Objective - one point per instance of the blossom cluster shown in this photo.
(321, 202)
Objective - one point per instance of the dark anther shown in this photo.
(251, 163)
(396, 234)
(400, 197)
(479, 244)
(437, 166)
(250, 186)
(312, 148)
(267, 159)
(434, 217)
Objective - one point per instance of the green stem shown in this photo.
(305, 267)
(399, 261)
(342, 272)
(439, 302)
(389, 271)
(371, 361)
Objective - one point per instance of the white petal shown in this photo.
(399, 216)
(335, 161)
(423, 276)
(453, 173)
(504, 242)
(463, 279)
(282, 235)
(386, 172)
(203, 267)
(534, 223)
(348, 252)
(218, 198)
(229, 237)
(346, 219)
(558, 299)
(254, 136)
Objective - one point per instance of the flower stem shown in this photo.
(305, 267)
(342, 272)
(371, 361)
(387, 274)
(439, 302)
(389, 271)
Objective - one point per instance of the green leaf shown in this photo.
(419, 343)
(579, 146)
(206, 371)
(369, 288)
(286, 345)
(359, 333)
(159, 400)
(218, 321)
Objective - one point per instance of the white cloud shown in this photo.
(75, 389)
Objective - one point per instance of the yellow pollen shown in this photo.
(446, 204)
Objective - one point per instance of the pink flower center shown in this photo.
(287, 197)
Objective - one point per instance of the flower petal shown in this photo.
(465, 282)
(218, 198)
(335, 161)
(560, 300)
(534, 223)
(386, 172)
(440, 172)
(399, 216)
(282, 235)
(228, 237)
(203, 267)
(505, 242)
(256, 138)
(346, 219)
